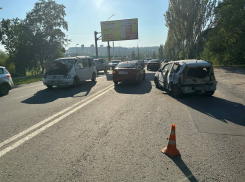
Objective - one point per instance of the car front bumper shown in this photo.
(58, 82)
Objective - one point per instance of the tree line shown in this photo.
(212, 30)
(36, 40)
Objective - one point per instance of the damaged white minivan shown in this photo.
(186, 76)
(69, 71)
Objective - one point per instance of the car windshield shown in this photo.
(153, 61)
(68, 62)
(126, 65)
(115, 61)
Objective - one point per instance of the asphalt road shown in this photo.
(98, 132)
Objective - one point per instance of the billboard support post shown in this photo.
(109, 56)
(96, 46)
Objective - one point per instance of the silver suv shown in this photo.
(6, 82)
(101, 65)
(187, 76)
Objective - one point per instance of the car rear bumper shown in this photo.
(128, 78)
(58, 82)
(198, 88)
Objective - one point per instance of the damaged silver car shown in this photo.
(186, 76)
(69, 71)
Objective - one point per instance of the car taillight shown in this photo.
(9, 76)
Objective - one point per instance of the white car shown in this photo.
(186, 76)
(6, 82)
(70, 71)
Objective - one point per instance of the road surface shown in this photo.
(98, 132)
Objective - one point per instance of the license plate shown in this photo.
(122, 72)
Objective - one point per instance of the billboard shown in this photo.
(119, 30)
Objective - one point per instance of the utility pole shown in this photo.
(138, 49)
(96, 39)
(113, 49)
(76, 48)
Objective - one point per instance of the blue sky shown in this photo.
(84, 17)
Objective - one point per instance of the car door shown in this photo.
(79, 70)
(86, 69)
(163, 74)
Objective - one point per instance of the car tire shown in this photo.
(156, 83)
(176, 91)
(116, 83)
(75, 82)
(105, 70)
(4, 89)
(50, 86)
(93, 77)
(209, 93)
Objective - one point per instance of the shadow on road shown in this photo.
(50, 95)
(217, 108)
(185, 170)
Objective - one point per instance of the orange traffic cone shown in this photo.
(171, 149)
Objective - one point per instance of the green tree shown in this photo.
(46, 21)
(17, 40)
(226, 42)
(187, 19)
(160, 53)
(154, 56)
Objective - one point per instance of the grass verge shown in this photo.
(27, 79)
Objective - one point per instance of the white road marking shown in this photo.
(33, 134)
(50, 118)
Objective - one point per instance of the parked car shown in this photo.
(6, 82)
(153, 64)
(146, 61)
(113, 63)
(128, 71)
(187, 76)
(141, 62)
(70, 71)
(101, 65)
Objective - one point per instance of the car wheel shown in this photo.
(50, 86)
(93, 77)
(116, 83)
(105, 70)
(75, 82)
(156, 83)
(209, 93)
(4, 89)
(176, 91)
